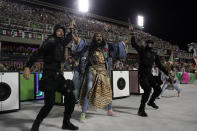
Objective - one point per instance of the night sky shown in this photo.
(170, 20)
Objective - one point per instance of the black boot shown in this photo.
(35, 126)
(68, 125)
(141, 111)
(153, 105)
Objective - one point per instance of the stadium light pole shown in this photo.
(140, 21)
(83, 5)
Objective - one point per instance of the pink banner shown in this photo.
(185, 78)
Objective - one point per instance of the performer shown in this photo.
(146, 60)
(172, 81)
(94, 65)
(52, 50)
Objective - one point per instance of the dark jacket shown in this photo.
(52, 51)
(147, 58)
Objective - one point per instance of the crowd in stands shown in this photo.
(17, 49)
(19, 66)
(12, 65)
(43, 18)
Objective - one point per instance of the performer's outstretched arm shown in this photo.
(117, 50)
(79, 44)
(135, 45)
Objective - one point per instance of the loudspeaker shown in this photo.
(59, 98)
(9, 91)
(120, 83)
(135, 87)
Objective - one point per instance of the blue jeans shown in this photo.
(89, 86)
(77, 79)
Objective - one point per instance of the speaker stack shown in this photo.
(120, 82)
(9, 91)
(135, 87)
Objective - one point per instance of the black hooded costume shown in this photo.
(146, 60)
(52, 50)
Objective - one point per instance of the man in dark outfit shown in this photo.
(146, 60)
(52, 50)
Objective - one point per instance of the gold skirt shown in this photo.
(100, 95)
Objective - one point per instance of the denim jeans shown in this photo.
(176, 85)
(77, 79)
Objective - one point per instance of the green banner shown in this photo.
(27, 88)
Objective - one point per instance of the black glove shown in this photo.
(43, 84)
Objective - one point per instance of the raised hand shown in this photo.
(131, 28)
(26, 74)
(72, 24)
